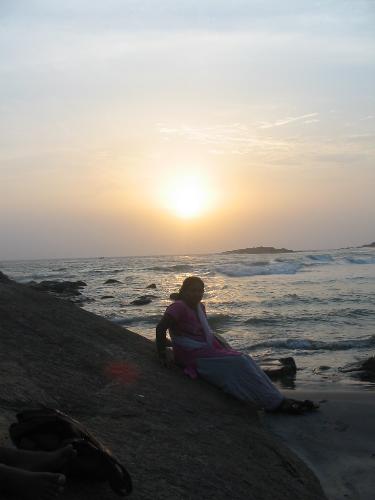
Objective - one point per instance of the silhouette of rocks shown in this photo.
(363, 369)
(258, 250)
(153, 285)
(279, 368)
(142, 301)
(4, 278)
(107, 297)
(68, 288)
(111, 281)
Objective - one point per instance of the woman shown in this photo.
(201, 353)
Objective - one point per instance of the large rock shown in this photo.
(4, 278)
(141, 301)
(179, 438)
(69, 288)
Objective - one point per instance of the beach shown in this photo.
(337, 441)
(316, 307)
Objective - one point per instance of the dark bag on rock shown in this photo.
(47, 429)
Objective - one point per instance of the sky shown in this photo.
(148, 127)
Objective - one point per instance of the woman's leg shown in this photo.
(37, 461)
(28, 485)
(241, 377)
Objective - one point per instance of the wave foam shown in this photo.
(314, 345)
(321, 258)
(361, 260)
(237, 270)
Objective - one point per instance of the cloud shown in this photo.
(235, 138)
(289, 119)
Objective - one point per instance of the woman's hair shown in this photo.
(190, 280)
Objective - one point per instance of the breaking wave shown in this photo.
(258, 269)
(315, 345)
(326, 316)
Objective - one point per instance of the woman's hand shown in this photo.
(166, 358)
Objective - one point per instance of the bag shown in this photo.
(48, 429)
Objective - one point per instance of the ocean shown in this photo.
(317, 306)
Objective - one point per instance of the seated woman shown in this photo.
(200, 352)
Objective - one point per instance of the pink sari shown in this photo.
(197, 350)
(189, 340)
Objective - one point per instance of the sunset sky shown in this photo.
(134, 127)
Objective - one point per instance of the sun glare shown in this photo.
(187, 197)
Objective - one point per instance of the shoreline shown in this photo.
(335, 441)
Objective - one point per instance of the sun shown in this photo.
(187, 196)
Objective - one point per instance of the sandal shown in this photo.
(296, 407)
(48, 429)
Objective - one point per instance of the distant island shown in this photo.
(259, 250)
(369, 245)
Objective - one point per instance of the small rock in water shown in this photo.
(279, 368)
(151, 286)
(141, 301)
(111, 281)
(107, 297)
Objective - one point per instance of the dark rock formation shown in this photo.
(4, 278)
(259, 250)
(111, 281)
(141, 301)
(363, 369)
(107, 297)
(173, 434)
(153, 285)
(279, 368)
(369, 245)
(69, 288)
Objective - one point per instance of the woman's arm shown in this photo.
(164, 324)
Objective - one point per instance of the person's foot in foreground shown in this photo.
(38, 461)
(27, 485)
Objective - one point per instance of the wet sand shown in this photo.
(337, 442)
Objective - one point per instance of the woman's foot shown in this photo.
(26, 485)
(296, 407)
(38, 461)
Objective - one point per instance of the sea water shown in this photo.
(318, 307)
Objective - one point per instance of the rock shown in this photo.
(151, 286)
(111, 281)
(4, 278)
(68, 288)
(280, 368)
(107, 297)
(258, 250)
(141, 301)
(56, 354)
(363, 369)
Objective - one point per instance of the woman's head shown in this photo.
(191, 290)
